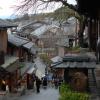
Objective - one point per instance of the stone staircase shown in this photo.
(97, 73)
(92, 82)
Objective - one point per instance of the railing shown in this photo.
(1, 57)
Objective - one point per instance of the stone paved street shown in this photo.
(45, 94)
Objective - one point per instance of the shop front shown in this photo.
(8, 75)
(26, 76)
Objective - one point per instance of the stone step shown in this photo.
(92, 83)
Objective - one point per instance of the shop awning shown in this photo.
(11, 64)
(27, 69)
(31, 70)
(39, 74)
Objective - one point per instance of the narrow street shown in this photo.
(45, 94)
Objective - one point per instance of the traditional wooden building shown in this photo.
(28, 26)
(21, 47)
(15, 46)
(26, 75)
(78, 71)
(8, 64)
(25, 50)
(4, 25)
(47, 36)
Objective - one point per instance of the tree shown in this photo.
(63, 13)
(82, 23)
(45, 59)
(26, 5)
(47, 62)
(25, 16)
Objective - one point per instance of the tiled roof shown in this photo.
(6, 24)
(28, 45)
(41, 30)
(56, 59)
(19, 41)
(76, 61)
(76, 65)
(31, 23)
(81, 57)
(15, 40)
(31, 46)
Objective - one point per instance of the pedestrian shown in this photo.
(38, 83)
(34, 82)
(7, 88)
(49, 80)
(56, 82)
(44, 82)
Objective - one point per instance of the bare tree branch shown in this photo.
(26, 5)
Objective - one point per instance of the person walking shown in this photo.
(7, 89)
(44, 82)
(56, 82)
(38, 83)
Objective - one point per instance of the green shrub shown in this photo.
(64, 88)
(66, 93)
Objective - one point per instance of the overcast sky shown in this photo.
(6, 7)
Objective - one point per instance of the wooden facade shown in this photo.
(9, 73)
(3, 44)
(21, 54)
(23, 79)
(20, 47)
(7, 64)
(3, 40)
(16, 51)
(1, 57)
